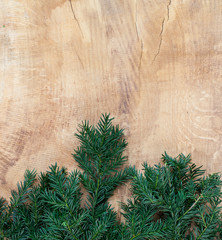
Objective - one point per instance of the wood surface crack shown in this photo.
(160, 42)
(136, 14)
(141, 56)
(168, 10)
(139, 39)
(80, 60)
(137, 31)
(74, 15)
(162, 30)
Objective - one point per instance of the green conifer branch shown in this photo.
(172, 200)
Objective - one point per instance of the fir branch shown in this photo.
(172, 200)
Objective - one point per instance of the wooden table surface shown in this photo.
(155, 65)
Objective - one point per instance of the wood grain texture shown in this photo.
(155, 65)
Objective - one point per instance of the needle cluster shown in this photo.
(171, 200)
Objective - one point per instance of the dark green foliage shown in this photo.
(47, 210)
(169, 201)
(100, 155)
(50, 207)
(174, 201)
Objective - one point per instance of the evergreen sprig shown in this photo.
(174, 201)
(100, 156)
(171, 200)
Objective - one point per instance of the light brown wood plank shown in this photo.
(155, 65)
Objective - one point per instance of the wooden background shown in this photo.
(155, 65)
